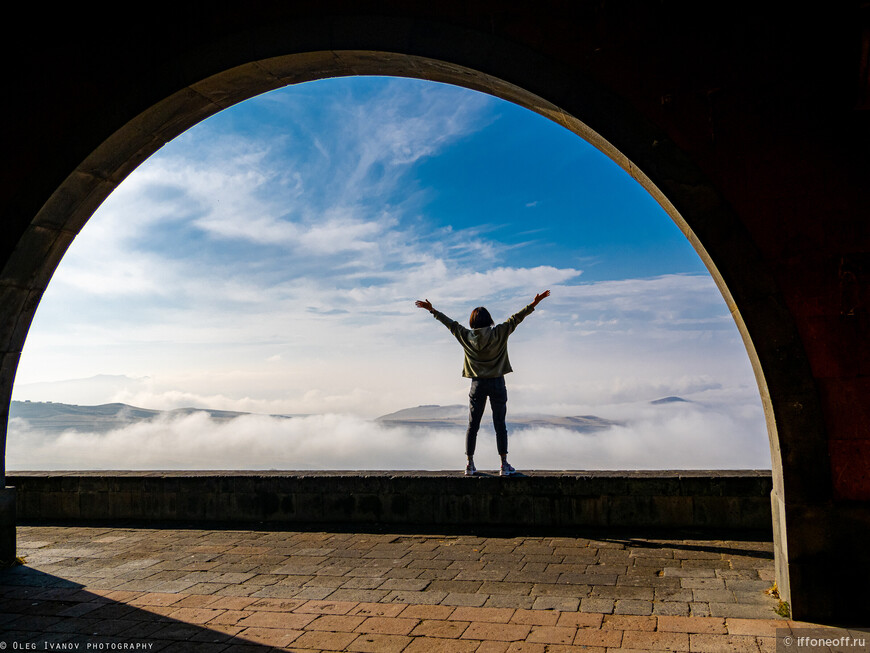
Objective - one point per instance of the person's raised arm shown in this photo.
(453, 325)
(539, 297)
(513, 321)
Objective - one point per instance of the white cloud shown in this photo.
(675, 436)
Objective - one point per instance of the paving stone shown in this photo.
(647, 572)
(680, 572)
(580, 619)
(515, 576)
(546, 589)
(494, 615)
(424, 597)
(748, 585)
(290, 581)
(465, 599)
(195, 615)
(705, 643)
(707, 564)
(438, 574)
(335, 623)
(229, 617)
(325, 607)
(563, 603)
(75, 610)
(744, 574)
(440, 628)
(669, 594)
(440, 645)
(747, 611)
(758, 627)
(271, 604)
(333, 582)
(670, 608)
(714, 596)
(172, 631)
(767, 574)
(451, 586)
(710, 625)
(509, 601)
(623, 592)
(632, 606)
(206, 588)
(378, 643)
(402, 572)
(303, 593)
(656, 582)
(216, 633)
(590, 637)
(387, 625)
(535, 617)
(376, 610)
(628, 622)
(356, 595)
(588, 579)
(324, 641)
(276, 637)
(427, 611)
(270, 591)
(758, 598)
(667, 641)
(364, 583)
(702, 583)
(606, 570)
(483, 575)
(491, 587)
(292, 620)
(597, 605)
(552, 635)
(699, 609)
(503, 632)
(412, 584)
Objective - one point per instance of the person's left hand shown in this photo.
(540, 296)
(424, 303)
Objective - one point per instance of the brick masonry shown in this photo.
(669, 499)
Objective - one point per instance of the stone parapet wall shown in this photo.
(671, 499)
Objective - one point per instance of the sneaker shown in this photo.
(506, 469)
(470, 469)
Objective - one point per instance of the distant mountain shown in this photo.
(456, 416)
(57, 417)
(430, 416)
(670, 400)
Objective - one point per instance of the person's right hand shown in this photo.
(424, 303)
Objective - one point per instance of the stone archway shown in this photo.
(218, 71)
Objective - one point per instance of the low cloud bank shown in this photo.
(683, 436)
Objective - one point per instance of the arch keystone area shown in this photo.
(751, 133)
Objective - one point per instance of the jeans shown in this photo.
(493, 388)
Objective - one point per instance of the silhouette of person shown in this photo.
(486, 363)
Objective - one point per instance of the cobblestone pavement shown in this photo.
(237, 590)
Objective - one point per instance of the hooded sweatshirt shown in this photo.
(485, 348)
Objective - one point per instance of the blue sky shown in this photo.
(267, 260)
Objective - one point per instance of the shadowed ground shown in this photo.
(235, 590)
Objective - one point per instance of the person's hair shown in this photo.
(480, 317)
